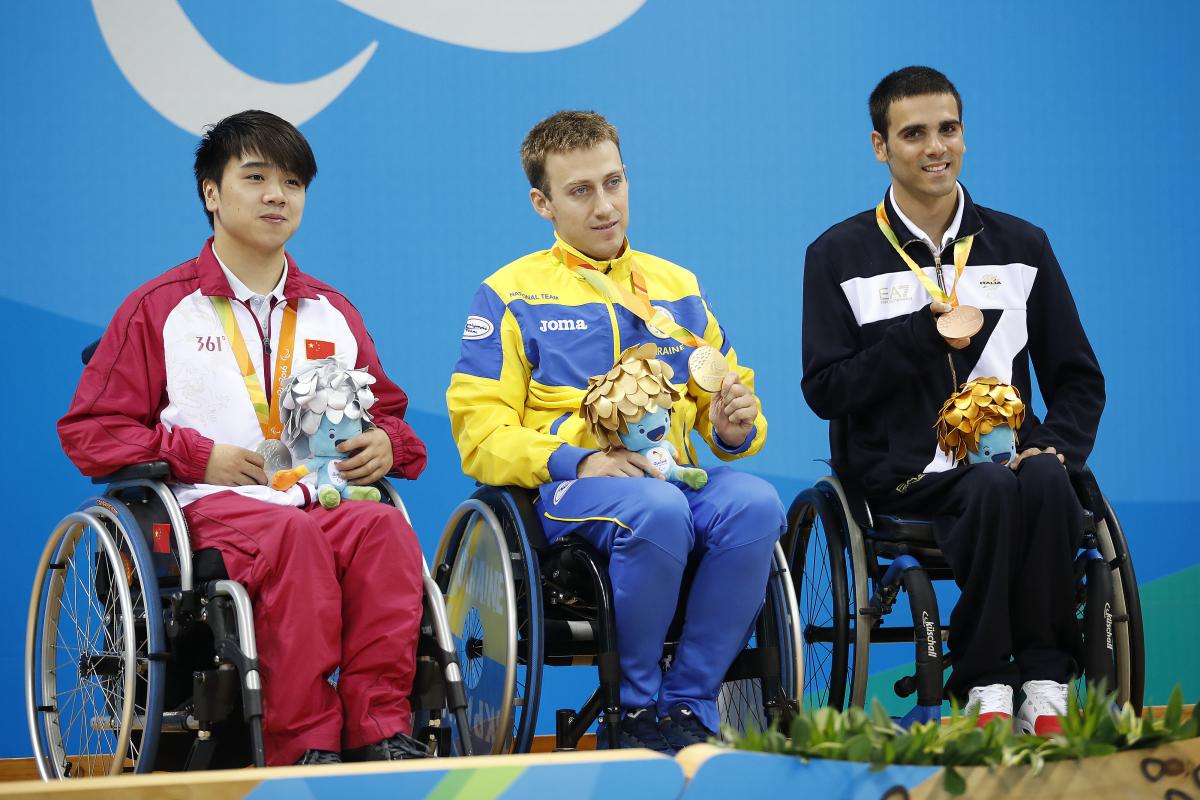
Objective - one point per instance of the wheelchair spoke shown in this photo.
(81, 656)
(825, 592)
(62, 701)
(87, 672)
(94, 613)
(86, 750)
(740, 703)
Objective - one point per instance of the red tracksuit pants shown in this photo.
(331, 588)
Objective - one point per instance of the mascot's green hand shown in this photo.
(692, 477)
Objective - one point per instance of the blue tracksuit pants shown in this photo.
(650, 529)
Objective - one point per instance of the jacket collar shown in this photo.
(213, 282)
(971, 224)
(570, 257)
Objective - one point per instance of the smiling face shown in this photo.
(649, 430)
(923, 148)
(256, 207)
(587, 199)
(998, 446)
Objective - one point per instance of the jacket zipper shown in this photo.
(266, 344)
(937, 264)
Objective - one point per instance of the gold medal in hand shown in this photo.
(960, 322)
(708, 368)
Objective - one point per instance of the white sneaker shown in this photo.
(1044, 702)
(992, 701)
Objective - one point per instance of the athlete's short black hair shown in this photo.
(907, 82)
(261, 133)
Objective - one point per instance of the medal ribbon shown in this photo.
(637, 301)
(267, 412)
(962, 249)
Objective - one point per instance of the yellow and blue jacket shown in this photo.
(536, 332)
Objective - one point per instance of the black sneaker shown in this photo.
(637, 728)
(681, 727)
(318, 757)
(398, 747)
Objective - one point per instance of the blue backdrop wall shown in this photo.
(746, 134)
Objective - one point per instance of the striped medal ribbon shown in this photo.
(706, 364)
(267, 412)
(961, 321)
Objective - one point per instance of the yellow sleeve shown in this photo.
(714, 334)
(486, 402)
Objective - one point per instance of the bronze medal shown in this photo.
(961, 322)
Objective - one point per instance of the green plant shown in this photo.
(1094, 728)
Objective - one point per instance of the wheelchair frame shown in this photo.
(863, 589)
(518, 603)
(129, 682)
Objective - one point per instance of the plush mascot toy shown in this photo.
(980, 422)
(630, 407)
(326, 403)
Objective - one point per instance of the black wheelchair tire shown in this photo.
(818, 545)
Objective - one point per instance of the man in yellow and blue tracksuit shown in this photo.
(536, 331)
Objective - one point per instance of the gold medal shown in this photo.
(961, 322)
(708, 368)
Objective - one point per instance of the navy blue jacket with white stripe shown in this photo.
(875, 364)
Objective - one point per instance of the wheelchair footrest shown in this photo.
(920, 713)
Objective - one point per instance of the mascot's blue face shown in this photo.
(325, 441)
(998, 446)
(648, 431)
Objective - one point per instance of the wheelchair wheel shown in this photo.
(1096, 618)
(1129, 648)
(829, 572)
(761, 685)
(93, 668)
(493, 599)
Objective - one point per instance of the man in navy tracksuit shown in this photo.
(874, 361)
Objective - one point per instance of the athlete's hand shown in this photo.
(616, 464)
(1033, 451)
(230, 465)
(937, 309)
(732, 411)
(372, 461)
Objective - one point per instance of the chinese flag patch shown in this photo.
(315, 348)
(162, 537)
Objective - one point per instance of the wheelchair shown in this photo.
(850, 564)
(518, 603)
(140, 653)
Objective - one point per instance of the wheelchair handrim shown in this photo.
(148, 673)
(63, 543)
(463, 524)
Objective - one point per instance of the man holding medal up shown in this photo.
(189, 371)
(904, 303)
(538, 329)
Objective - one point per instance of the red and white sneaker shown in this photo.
(1044, 702)
(993, 701)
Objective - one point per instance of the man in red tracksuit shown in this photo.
(331, 588)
